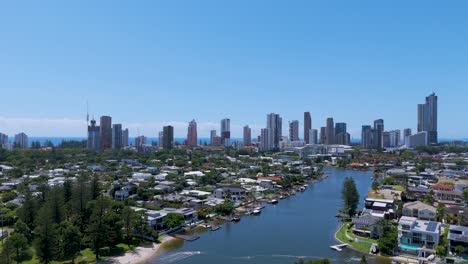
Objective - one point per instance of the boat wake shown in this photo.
(177, 256)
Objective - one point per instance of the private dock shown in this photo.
(187, 238)
(215, 228)
(339, 248)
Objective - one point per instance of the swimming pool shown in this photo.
(409, 247)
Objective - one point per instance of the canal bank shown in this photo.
(303, 225)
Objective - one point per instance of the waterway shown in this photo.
(299, 226)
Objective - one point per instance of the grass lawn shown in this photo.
(398, 188)
(341, 235)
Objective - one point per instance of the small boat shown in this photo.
(274, 201)
(235, 219)
(282, 197)
(207, 226)
(256, 212)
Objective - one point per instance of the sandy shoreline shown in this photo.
(140, 254)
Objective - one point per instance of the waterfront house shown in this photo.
(381, 208)
(155, 218)
(232, 192)
(367, 226)
(420, 210)
(418, 237)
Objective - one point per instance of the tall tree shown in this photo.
(95, 187)
(68, 240)
(350, 196)
(129, 218)
(45, 243)
(20, 245)
(8, 252)
(55, 203)
(99, 233)
(21, 228)
(27, 212)
(80, 198)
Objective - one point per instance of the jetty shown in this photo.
(339, 247)
(187, 238)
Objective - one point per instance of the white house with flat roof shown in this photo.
(418, 237)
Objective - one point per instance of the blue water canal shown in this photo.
(299, 226)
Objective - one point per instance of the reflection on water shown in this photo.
(301, 226)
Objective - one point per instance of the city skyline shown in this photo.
(151, 65)
(212, 127)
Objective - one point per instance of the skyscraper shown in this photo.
(313, 137)
(125, 138)
(265, 144)
(427, 118)
(3, 140)
(294, 130)
(307, 127)
(366, 137)
(117, 136)
(406, 134)
(226, 132)
(192, 134)
(395, 136)
(247, 136)
(94, 137)
(323, 135)
(168, 137)
(386, 139)
(21, 140)
(377, 133)
(160, 139)
(140, 141)
(106, 132)
(330, 132)
(342, 137)
(274, 125)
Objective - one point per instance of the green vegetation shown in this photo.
(441, 249)
(388, 240)
(350, 196)
(173, 220)
(345, 231)
(320, 261)
(67, 223)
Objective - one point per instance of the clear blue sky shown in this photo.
(148, 63)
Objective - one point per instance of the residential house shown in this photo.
(381, 208)
(232, 192)
(458, 236)
(367, 225)
(418, 237)
(420, 210)
(450, 196)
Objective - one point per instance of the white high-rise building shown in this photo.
(294, 130)
(313, 136)
(125, 137)
(275, 127)
(226, 132)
